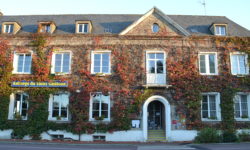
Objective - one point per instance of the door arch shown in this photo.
(167, 115)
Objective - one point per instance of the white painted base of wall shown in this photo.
(122, 136)
(182, 135)
(5, 134)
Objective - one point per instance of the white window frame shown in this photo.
(53, 63)
(15, 63)
(93, 52)
(50, 108)
(12, 105)
(220, 29)
(5, 26)
(218, 109)
(248, 106)
(164, 64)
(207, 63)
(91, 108)
(45, 28)
(246, 60)
(83, 27)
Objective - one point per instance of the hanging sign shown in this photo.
(39, 84)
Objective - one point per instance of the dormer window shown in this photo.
(46, 27)
(83, 27)
(220, 30)
(8, 28)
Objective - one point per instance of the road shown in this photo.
(147, 146)
(11, 146)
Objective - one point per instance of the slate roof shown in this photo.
(196, 25)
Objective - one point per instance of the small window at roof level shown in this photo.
(220, 30)
(83, 28)
(8, 28)
(155, 28)
(45, 28)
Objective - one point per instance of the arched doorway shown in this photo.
(156, 115)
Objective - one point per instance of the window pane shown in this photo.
(159, 56)
(159, 66)
(96, 106)
(27, 63)
(223, 30)
(11, 28)
(85, 28)
(105, 114)
(64, 113)
(242, 64)
(234, 64)
(151, 67)
(97, 69)
(105, 69)
(20, 63)
(212, 63)
(56, 105)
(95, 114)
(105, 106)
(58, 62)
(66, 62)
(217, 29)
(202, 64)
(17, 103)
(80, 28)
(204, 107)
(151, 55)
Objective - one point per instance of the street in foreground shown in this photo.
(146, 146)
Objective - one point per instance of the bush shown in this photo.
(229, 137)
(208, 135)
(244, 137)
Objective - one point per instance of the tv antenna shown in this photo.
(203, 3)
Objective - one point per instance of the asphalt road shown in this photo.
(153, 146)
(12, 146)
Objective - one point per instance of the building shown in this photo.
(151, 77)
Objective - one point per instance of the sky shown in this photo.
(236, 10)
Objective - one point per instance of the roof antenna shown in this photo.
(203, 2)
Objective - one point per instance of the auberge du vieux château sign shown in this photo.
(39, 84)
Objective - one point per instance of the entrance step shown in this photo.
(156, 136)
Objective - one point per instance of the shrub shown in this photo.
(229, 137)
(244, 137)
(208, 135)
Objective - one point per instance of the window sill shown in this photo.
(59, 121)
(207, 74)
(210, 120)
(60, 74)
(101, 74)
(20, 73)
(97, 121)
(157, 85)
(242, 119)
(240, 75)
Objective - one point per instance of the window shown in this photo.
(155, 28)
(22, 63)
(45, 28)
(100, 62)
(18, 108)
(210, 106)
(220, 30)
(156, 68)
(61, 63)
(8, 28)
(83, 28)
(58, 107)
(208, 63)
(99, 107)
(239, 64)
(241, 107)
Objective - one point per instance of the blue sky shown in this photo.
(237, 10)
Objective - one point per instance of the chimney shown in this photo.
(1, 14)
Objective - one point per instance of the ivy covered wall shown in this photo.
(125, 83)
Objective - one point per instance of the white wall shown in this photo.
(182, 135)
(5, 134)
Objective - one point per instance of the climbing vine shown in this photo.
(124, 85)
